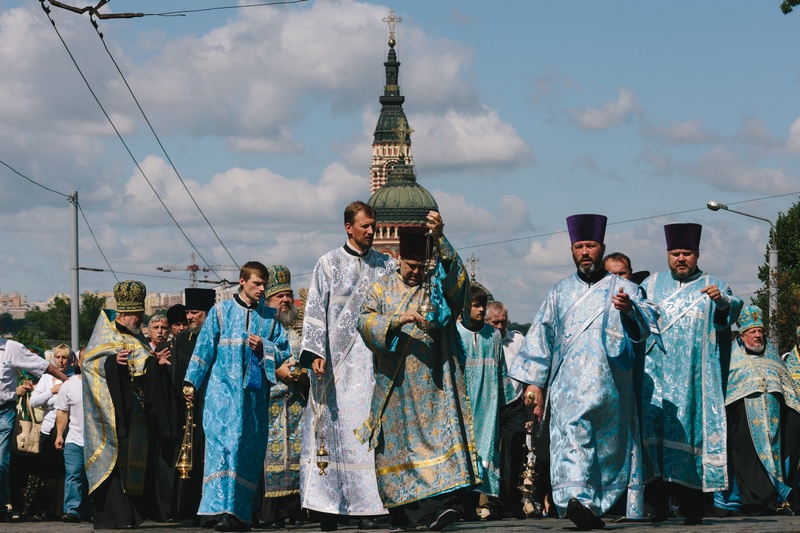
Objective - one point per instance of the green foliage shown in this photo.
(30, 337)
(788, 5)
(54, 322)
(522, 328)
(787, 240)
(11, 325)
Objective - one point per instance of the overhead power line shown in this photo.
(122, 140)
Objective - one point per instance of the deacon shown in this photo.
(763, 413)
(287, 400)
(342, 380)
(125, 414)
(577, 359)
(234, 361)
(683, 418)
(419, 423)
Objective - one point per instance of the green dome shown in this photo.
(402, 199)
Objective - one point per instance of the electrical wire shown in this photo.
(96, 242)
(9, 167)
(158, 140)
(219, 8)
(122, 140)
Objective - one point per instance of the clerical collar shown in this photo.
(593, 277)
(241, 302)
(349, 250)
(122, 329)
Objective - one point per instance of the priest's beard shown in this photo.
(287, 318)
(755, 348)
(135, 330)
(587, 271)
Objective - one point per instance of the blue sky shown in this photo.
(524, 112)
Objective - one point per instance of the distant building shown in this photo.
(15, 304)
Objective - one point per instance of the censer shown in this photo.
(322, 457)
(184, 464)
(427, 308)
(527, 485)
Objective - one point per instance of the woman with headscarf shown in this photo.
(52, 460)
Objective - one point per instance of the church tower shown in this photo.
(387, 144)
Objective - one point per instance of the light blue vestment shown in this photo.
(484, 370)
(792, 361)
(235, 420)
(419, 421)
(683, 420)
(581, 349)
(764, 384)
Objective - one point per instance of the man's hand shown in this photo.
(55, 389)
(537, 402)
(622, 302)
(59, 442)
(318, 366)
(24, 388)
(163, 356)
(713, 292)
(411, 316)
(284, 373)
(255, 343)
(188, 391)
(122, 357)
(435, 224)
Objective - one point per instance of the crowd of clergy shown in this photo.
(394, 396)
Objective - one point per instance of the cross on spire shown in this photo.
(403, 132)
(473, 263)
(392, 21)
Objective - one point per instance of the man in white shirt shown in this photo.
(69, 410)
(13, 357)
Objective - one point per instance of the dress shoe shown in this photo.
(368, 523)
(784, 509)
(693, 520)
(71, 519)
(229, 522)
(328, 522)
(583, 517)
(441, 519)
(277, 524)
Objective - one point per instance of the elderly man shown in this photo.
(512, 415)
(287, 400)
(419, 422)
(763, 414)
(342, 381)
(234, 363)
(683, 422)
(577, 359)
(125, 414)
(14, 357)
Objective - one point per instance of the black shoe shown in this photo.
(277, 524)
(71, 519)
(659, 514)
(229, 522)
(299, 522)
(693, 520)
(328, 522)
(784, 509)
(583, 517)
(442, 519)
(368, 523)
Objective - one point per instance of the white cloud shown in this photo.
(681, 132)
(610, 114)
(728, 171)
(793, 143)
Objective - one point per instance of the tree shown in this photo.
(54, 322)
(787, 241)
(91, 305)
(10, 324)
(788, 5)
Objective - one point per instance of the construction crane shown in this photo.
(194, 268)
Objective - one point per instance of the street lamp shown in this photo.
(773, 270)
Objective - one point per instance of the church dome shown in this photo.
(402, 200)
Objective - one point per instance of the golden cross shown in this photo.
(473, 261)
(403, 132)
(392, 21)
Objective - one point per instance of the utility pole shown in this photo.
(75, 297)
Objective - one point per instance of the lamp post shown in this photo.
(773, 270)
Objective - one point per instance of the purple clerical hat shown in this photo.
(412, 242)
(683, 236)
(586, 228)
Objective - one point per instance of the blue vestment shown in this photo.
(419, 422)
(765, 386)
(235, 420)
(581, 349)
(683, 420)
(484, 370)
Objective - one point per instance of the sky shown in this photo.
(524, 112)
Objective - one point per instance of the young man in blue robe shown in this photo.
(419, 424)
(577, 359)
(484, 372)
(683, 409)
(235, 357)
(763, 414)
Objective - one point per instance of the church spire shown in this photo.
(388, 145)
